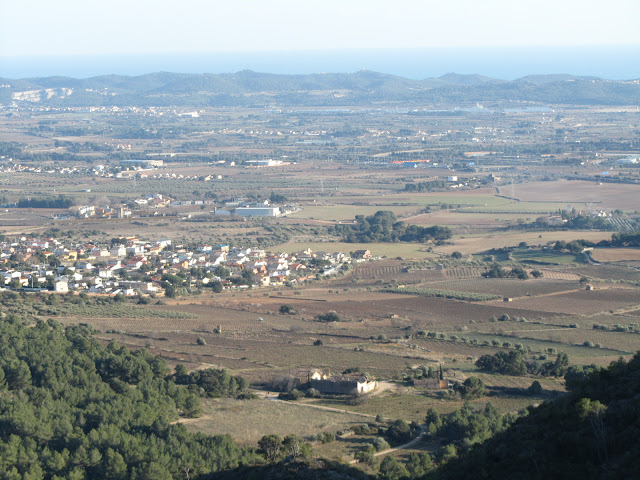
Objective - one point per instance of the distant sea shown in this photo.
(611, 62)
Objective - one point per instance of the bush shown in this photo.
(292, 395)
(327, 437)
(328, 317)
(380, 444)
(287, 310)
(312, 393)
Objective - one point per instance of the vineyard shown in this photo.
(434, 292)
(583, 302)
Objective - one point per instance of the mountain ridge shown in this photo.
(247, 87)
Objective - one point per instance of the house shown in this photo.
(118, 251)
(61, 285)
(345, 385)
(364, 254)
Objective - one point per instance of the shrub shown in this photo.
(287, 310)
(327, 437)
(292, 395)
(380, 444)
(328, 317)
(312, 393)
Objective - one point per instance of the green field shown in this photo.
(546, 257)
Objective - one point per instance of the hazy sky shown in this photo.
(63, 27)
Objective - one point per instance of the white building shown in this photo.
(258, 211)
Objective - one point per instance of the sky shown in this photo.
(414, 38)
(80, 27)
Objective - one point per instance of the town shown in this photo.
(133, 267)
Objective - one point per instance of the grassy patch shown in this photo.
(248, 420)
(546, 257)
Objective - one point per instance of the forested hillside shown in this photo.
(593, 432)
(71, 408)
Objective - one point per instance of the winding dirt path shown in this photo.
(399, 447)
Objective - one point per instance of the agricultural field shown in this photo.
(546, 257)
(249, 420)
(481, 243)
(583, 302)
(574, 192)
(607, 255)
(508, 287)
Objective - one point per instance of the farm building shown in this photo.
(432, 384)
(361, 254)
(345, 385)
(304, 376)
(142, 163)
(258, 211)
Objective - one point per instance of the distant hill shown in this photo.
(249, 88)
(559, 77)
(457, 79)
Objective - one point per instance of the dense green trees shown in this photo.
(625, 239)
(384, 227)
(468, 426)
(212, 382)
(471, 388)
(60, 201)
(515, 363)
(593, 432)
(72, 408)
(498, 271)
(430, 186)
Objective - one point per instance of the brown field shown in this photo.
(507, 287)
(615, 254)
(609, 195)
(580, 301)
(608, 272)
(476, 244)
